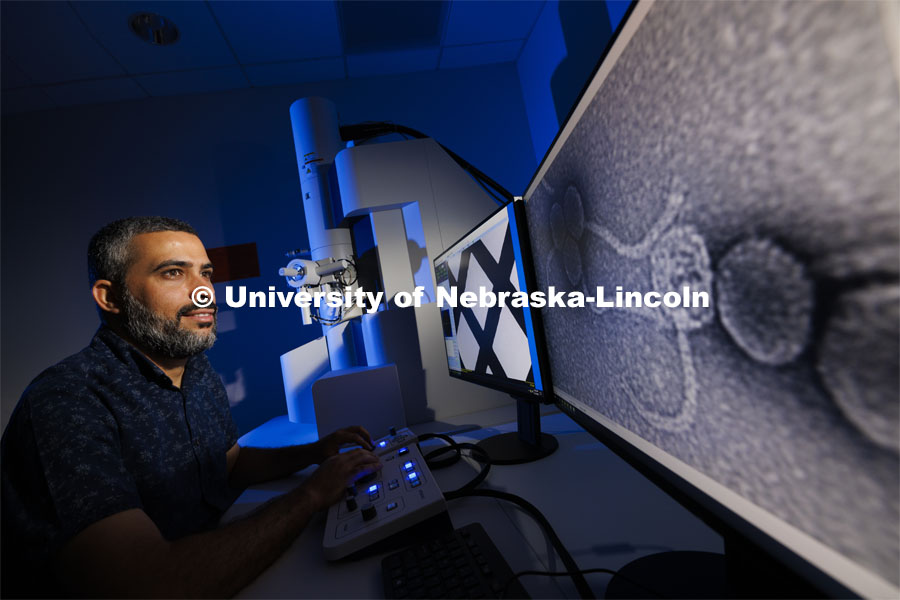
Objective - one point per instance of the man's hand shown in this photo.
(332, 443)
(327, 484)
(247, 466)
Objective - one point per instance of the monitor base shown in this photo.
(509, 449)
(742, 572)
(680, 574)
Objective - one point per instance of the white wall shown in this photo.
(225, 163)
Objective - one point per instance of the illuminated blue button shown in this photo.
(402, 451)
(391, 506)
(413, 476)
(373, 488)
(382, 443)
(408, 466)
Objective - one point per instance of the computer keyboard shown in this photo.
(462, 564)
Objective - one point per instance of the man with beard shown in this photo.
(119, 461)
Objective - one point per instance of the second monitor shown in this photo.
(494, 341)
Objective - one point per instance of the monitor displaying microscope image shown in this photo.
(750, 151)
(497, 345)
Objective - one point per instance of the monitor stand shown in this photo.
(525, 445)
(744, 571)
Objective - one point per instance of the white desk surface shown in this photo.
(605, 512)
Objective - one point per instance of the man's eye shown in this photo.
(207, 274)
(172, 272)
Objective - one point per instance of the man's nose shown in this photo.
(197, 280)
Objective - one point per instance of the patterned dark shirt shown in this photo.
(105, 431)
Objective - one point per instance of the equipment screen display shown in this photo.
(489, 338)
(750, 151)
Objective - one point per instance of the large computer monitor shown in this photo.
(750, 150)
(492, 340)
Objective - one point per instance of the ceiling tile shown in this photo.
(390, 63)
(200, 43)
(276, 31)
(200, 81)
(95, 92)
(24, 100)
(391, 25)
(455, 57)
(50, 44)
(305, 71)
(490, 21)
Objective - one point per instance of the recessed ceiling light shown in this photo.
(154, 29)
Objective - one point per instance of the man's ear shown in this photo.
(105, 296)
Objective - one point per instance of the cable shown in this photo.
(583, 572)
(468, 490)
(578, 579)
(355, 274)
(475, 452)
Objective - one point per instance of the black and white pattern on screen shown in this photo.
(492, 340)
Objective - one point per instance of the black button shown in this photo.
(368, 512)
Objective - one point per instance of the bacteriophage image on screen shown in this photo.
(748, 150)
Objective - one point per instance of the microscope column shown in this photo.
(316, 142)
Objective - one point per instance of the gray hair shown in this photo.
(109, 251)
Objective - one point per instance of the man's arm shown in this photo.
(126, 555)
(247, 466)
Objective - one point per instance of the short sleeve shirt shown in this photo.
(105, 431)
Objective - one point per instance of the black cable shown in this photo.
(583, 572)
(578, 579)
(475, 452)
(468, 489)
(355, 274)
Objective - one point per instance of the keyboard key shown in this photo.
(443, 568)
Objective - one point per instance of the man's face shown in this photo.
(157, 310)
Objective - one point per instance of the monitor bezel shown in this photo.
(794, 549)
(514, 387)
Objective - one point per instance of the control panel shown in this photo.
(402, 494)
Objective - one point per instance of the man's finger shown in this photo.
(362, 432)
(360, 456)
(345, 436)
(360, 436)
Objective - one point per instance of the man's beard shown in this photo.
(159, 336)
